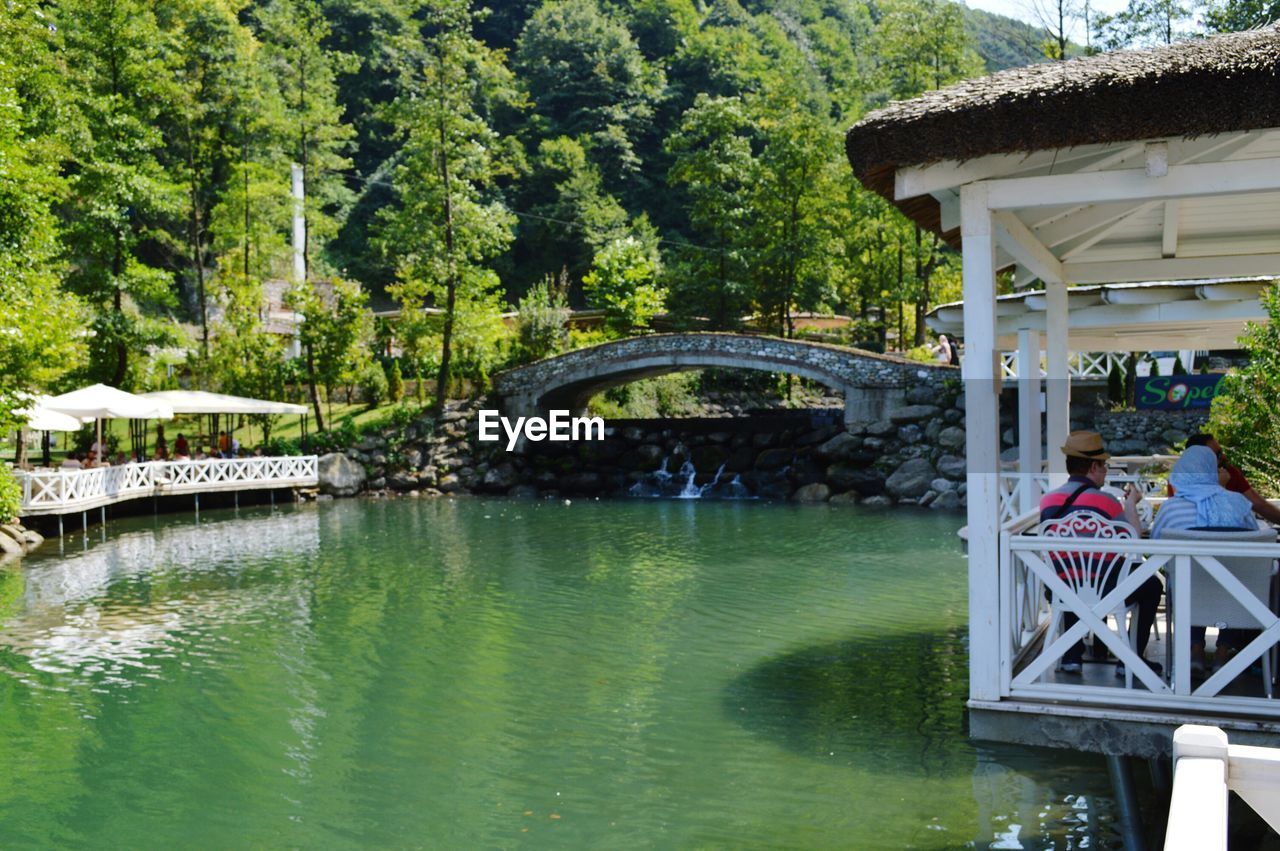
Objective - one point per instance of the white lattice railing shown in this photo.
(1027, 658)
(63, 491)
(1079, 364)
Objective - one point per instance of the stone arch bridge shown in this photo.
(873, 385)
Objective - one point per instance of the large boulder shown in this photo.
(774, 459)
(952, 438)
(339, 475)
(839, 447)
(815, 492)
(8, 546)
(952, 466)
(914, 413)
(912, 479)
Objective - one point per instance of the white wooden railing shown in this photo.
(1079, 364)
(65, 491)
(1026, 660)
(1205, 768)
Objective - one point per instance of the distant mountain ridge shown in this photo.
(1003, 42)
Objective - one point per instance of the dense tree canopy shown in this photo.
(648, 156)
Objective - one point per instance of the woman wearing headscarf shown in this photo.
(1200, 502)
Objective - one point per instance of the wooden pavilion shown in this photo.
(1136, 166)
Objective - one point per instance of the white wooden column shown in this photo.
(982, 435)
(1058, 380)
(1029, 437)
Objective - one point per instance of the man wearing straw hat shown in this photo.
(1087, 467)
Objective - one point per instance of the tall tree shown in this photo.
(293, 34)
(795, 207)
(121, 198)
(713, 164)
(1144, 23)
(1239, 15)
(588, 80)
(450, 221)
(570, 215)
(42, 324)
(922, 45)
(206, 49)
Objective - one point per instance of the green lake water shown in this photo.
(497, 674)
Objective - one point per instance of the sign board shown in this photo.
(1177, 392)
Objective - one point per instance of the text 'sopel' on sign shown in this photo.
(1177, 392)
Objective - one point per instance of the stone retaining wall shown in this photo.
(915, 456)
(1148, 432)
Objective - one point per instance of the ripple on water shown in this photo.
(463, 673)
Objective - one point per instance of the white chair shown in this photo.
(1213, 605)
(1090, 575)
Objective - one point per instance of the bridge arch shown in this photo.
(872, 384)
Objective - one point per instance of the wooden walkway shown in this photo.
(56, 492)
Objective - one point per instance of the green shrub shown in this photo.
(10, 497)
(373, 383)
(1246, 412)
(1115, 384)
(282, 446)
(923, 354)
(542, 322)
(1178, 368)
(395, 383)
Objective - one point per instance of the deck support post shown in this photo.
(1058, 419)
(60, 532)
(84, 522)
(1121, 770)
(197, 506)
(1029, 417)
(982, 376)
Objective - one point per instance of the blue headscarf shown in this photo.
(1195, 477)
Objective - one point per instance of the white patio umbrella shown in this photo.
(100, 402)
(203, 402)
(40, 418)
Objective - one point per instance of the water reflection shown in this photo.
(893, 704)
(456, 672)
(112, 612)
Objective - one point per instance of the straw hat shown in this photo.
(1085, 444)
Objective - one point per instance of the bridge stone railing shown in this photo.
(872, 384)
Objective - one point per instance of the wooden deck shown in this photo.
(55, 492)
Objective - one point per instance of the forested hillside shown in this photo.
(640, 156)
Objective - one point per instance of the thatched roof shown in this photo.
(1219, 84)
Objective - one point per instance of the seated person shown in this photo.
(73, 462)
(1087, 467)
(1199, 501)
(180, 446)
(1231, 478)
(90, 460)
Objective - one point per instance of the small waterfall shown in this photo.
(710, 486)
(683, 484)
(653, 484)
(736, 489)
(690, 490)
